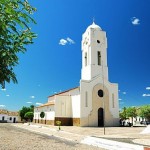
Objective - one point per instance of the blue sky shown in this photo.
(53, 63)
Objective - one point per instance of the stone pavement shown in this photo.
(119, 137)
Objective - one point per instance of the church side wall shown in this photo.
(76, 110)
(86, 102)
(49, 115)
(68, 108)
(114, 107)
(63, 105)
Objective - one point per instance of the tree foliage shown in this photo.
(29, 116)
(144, 112)
(24, 110)
(15, 34)
(123, 114)
(131, 112)
(42, 114)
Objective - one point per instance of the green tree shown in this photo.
(131, 112)
(144, 112)
(42, 114)
(15, 35)
(32, 108)
(123, 114)
(24, 110)
(29, 116)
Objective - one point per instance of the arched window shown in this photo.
(99, 57)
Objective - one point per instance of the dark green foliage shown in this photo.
(24, 110)
(29, 116)
(15, 34)
(42, 114)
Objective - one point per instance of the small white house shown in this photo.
(95, 101)
(8, 116)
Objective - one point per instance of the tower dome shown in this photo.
(94, 26)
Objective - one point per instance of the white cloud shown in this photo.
(7, 95)
(135, 21)
(32, 97)
(62, 42)
(70, 41)
(29, 102)
(66, 41)
(120, 99)
(124, 93)
(146, 95)
(2, 106)
(3, 89)
(37, 103)
(147, 88)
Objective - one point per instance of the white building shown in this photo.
(8, 116)
(95, 102)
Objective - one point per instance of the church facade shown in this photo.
(95, 102)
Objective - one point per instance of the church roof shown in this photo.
(64, 91)
(46, 104)
(52, 102)
(94, 26)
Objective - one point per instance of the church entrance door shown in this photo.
(100, 117)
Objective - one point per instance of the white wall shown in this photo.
(7, 118)
(91, 47)
(12, 119)
(75, 106)
(113, 89)
(63, 106)
(3, 115)
(49, 112)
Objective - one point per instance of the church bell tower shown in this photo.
(94, 53)
(98, 97)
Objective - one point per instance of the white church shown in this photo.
(95, 101)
